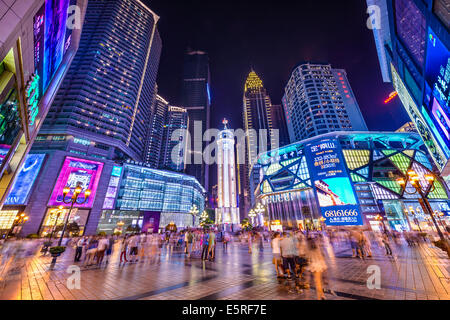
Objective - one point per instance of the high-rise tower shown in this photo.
(107, 95)
(318, 100)
(257, 118)
(174, 141)
(227, 213)
(196, 98)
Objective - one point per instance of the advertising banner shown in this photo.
(77, 171)
(335, 194)
(25, 180)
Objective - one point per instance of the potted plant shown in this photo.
(57, 251)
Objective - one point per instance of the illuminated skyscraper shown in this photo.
(38, 41)
(196, 98)
(174, 140)
(413, 43)
(227, 212)
(107, 96)
(257, 117)
(156, 131)
(318, 100)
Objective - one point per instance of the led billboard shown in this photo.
(77, 171)
(335, 194)
(25, 179)
(50, 39)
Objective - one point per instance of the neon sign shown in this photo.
(32, 98)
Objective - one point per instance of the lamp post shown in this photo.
(259, 209)
(18, 220)
(58, 213)
(72, 201)
(194, 211)
(440, 214)
(380, 218)
(414, 179)
(252, 215)
(322, 223)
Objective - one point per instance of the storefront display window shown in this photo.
(78, 216)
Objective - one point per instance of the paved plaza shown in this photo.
(415, 273)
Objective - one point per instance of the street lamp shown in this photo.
(380, 218)
(322, 222)
(72, 201)
(194, 211)
(252, 215)
(424, 192)
(18, 220)
(259, 209)
(439, 214)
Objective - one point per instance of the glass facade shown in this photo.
(374, 161)
(411, 28)
(143, 188)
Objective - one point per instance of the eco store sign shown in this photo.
(334, 191)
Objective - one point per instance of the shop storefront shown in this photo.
(350, 179)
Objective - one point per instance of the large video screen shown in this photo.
(50, 38)
(436, 109)
(335, 194)
(77, 171)
(25, 179)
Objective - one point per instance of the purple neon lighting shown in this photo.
(74, 170)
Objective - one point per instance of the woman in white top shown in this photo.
(277, 255)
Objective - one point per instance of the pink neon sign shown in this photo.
(73, 172)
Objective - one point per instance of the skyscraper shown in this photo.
(38, 40)
(318, 100)
(109, 90)
(227, 213)
(413, 42)
(279, 123)
(156, 131)
(196, 98)
(174, 140)
(257, 118)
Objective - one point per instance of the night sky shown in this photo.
(272, 37)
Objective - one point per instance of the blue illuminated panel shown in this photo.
(25, 180)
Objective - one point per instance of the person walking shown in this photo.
(133, 243)
(316, 266)
(110, 248)
(288, 253)
(276, 252)
(226, 239)
(189, 242)
(387, 246)
(79, 249)
(205, 246)
(123, 249)
(91, 251)
(103, 244)
(211, 245)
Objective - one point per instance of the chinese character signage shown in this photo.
(335, 194)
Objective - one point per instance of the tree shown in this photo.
(206, 222)
(246, 225)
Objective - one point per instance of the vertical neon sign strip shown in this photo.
(77, 166)
(55, 37)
